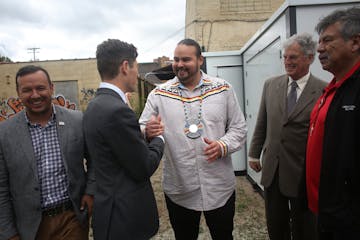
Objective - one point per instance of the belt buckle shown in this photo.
(51, 212)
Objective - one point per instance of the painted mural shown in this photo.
(9, 107)
(86, 95)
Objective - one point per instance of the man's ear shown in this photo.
(52, 89)
(356, 43)
(124, 67)
(201, 58)
(311, 58)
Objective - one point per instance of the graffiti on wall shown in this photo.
(86, 95)
(9, 107)
(62, 101)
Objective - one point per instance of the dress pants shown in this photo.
(185, 222)
(64, 226)
(340, 234)
(286, 217)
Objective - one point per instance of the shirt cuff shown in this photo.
(161, 137)
(250, 159)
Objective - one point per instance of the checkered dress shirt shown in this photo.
(51, 170)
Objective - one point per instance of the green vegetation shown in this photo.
(4, 59)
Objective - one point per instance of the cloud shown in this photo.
(72, 29)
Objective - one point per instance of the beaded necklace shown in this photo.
(193, 126)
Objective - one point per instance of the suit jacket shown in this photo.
(20, 209)
(124, 204)
(281, 138)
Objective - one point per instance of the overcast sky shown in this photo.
(68, 29)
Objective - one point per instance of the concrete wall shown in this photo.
(75, 84)
(223, 25)
(81, 72)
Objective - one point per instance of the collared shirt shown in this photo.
(188, 178)
(201, 82)
(314, 150)
(301, 82)
(114, 88)
(50, 165)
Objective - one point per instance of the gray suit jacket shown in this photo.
(281, 138)
(124, 204)
(20, 210)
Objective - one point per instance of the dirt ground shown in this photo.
(249, 220)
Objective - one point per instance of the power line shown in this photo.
(168, 37)
(33, 51)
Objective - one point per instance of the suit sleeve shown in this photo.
(7, 222)
(259, 135)
(131, 151)
(77, 117)
(90, 173)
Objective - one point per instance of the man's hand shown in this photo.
(87, 201)
(154, 127)
(255, 165)
(212, 150)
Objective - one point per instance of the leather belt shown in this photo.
(57, 209)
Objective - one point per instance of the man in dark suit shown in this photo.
(280, 135)
(124, 205)
(45, 192)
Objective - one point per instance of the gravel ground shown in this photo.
(249, 220)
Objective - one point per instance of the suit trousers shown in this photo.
(185, 222)
(63, 226)
(286, 217)
(340, 234)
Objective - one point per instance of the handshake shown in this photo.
(154, 127)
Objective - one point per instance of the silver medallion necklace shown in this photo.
(193, 125)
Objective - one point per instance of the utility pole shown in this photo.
(33, 51)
